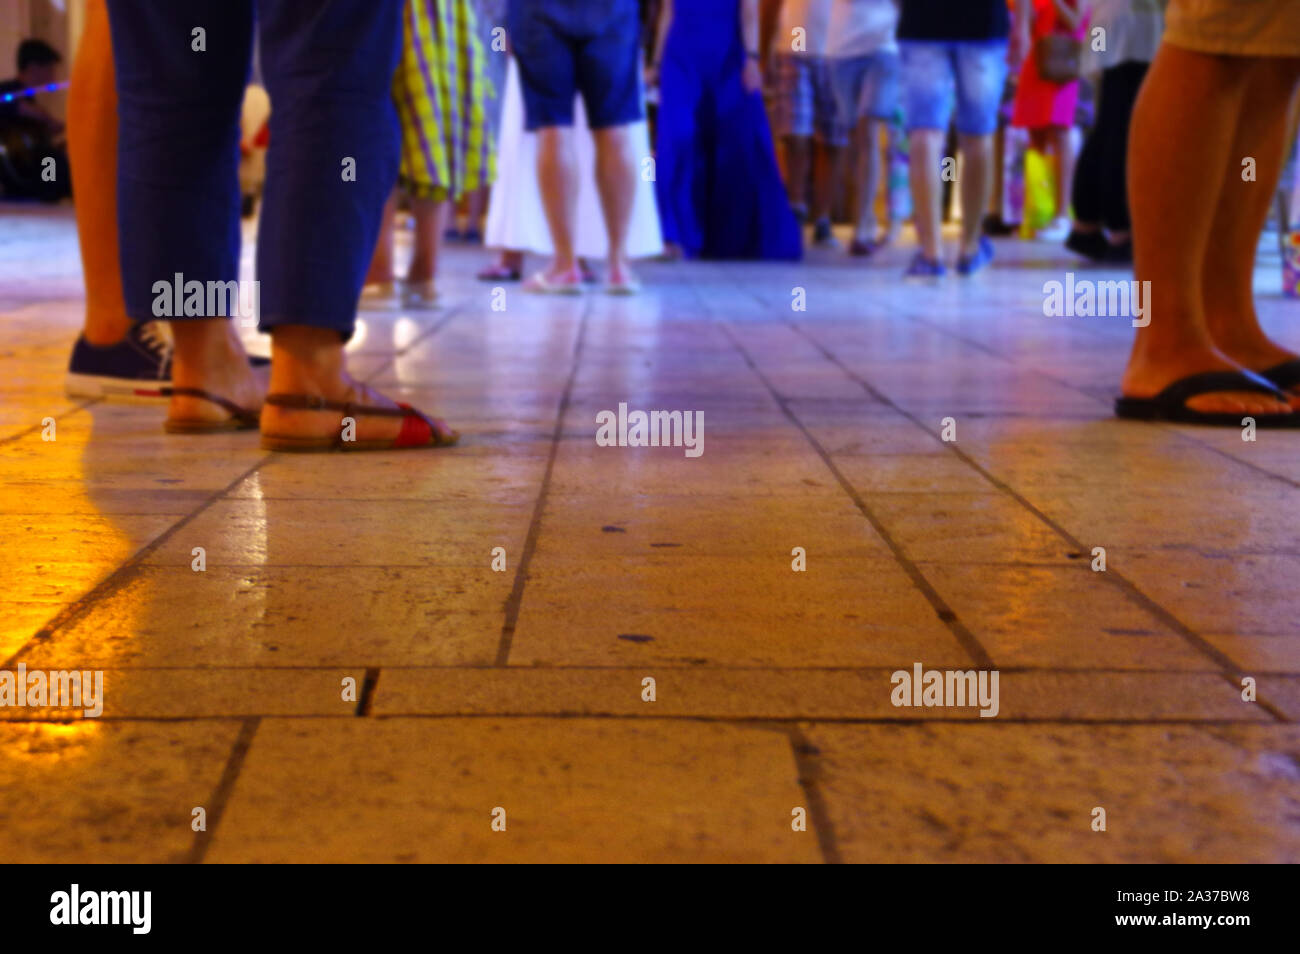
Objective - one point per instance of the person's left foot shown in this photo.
(823, 237)
(619, 280)
(972, 262)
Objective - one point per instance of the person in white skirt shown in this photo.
(516, 221)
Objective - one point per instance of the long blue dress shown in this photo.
(719, 190)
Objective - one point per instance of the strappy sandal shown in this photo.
(417, 430)
(1171, 403)
(541, 285)
(241, 418)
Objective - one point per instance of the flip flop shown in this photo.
(1171, 403)
(1285, 376)
(628, 286)
(420, 295)
(417, 429)
(542, 285)
(241, 419)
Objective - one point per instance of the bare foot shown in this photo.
(619, 278)
(210, 357)
(1146, 378)
(557, 278)
(1249, 347)
(310, 362)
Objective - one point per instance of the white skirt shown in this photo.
(516, 219)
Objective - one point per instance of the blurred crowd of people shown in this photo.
(596, 132)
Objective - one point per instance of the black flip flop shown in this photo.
(1171, 403)
(1285, 376)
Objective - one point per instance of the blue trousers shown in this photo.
(331, 163)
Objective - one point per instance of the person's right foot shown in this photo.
(1091, 245)
(1120, 253)
(980, 257)
(209, 357)
(924, 269)
(823, 237)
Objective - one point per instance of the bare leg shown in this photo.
(557, 176)
(1063, 147)
(92, 152)
(977, 172)
(616, 181)
(1229, 265)
(828, 170)
(475, 209)
(925, 149)
(866, 178)
(1180, 144)
(430, 220)
(795, 150)
(381, 264)
(309, 360)
(209, 356)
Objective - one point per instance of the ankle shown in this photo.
(306, 359)
(205, 343)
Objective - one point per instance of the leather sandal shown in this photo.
(418, 430)
(241, 418)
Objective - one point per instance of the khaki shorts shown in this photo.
(1235, 27)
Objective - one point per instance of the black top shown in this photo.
(954, 20)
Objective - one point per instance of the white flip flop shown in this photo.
(542, 285)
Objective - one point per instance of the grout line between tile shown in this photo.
(965, 638)
(1229, 669)
(221, 795)
(515, 600)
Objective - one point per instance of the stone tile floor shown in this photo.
(522, 689)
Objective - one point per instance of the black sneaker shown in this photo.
(823, 237)
(137, 367)
(1091, 245)
(1120, 253)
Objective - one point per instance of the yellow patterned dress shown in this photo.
(442, 90)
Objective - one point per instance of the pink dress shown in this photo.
(1040, 104)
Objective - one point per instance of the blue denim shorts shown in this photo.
(968, 75)
(866, 86)
(565, 47)
(803, 103)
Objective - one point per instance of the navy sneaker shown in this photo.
(137, 367)
(924, 269)
(983, 254)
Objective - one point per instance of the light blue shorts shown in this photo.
(866, 86)
(967, 75)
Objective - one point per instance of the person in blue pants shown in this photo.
(719, 189)
(181, 69)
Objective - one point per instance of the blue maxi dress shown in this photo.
(720, 193)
